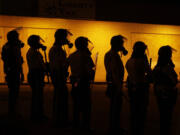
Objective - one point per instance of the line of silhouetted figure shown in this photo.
(140, 76)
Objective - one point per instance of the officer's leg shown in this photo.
(36, 98)
(61, 104)
(40, 102)
(55, 82)
(57, 99)
(140, 118)
(86, 108)
(142, 104)
(13, 86)
(133, 109)
(11, 103)
(166, 111)
(115, 109)
(54, 102)
(33, 103)
(64, 104)
(56, 115)
(76, 112)
(163, 118)
(76, 107)
(164, 114)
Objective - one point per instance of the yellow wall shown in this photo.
(99, 32)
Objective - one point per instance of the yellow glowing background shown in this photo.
(99, 32)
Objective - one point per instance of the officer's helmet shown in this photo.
(61, 33)
(81, 43)
(117, 40)
(34, 41)
(117, 44)
(165, 51)
(139, 46)
(61, 36)
(12, 35)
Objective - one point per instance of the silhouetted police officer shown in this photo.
(59, 73)
(82, 73)
(139, 73)
(11, 56)
(165, 81)
(36, 75)
(114, 77)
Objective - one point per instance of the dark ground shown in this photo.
(100, 109)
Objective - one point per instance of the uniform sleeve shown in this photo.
(114, 69)
(148, 71)
(172, 75)
(155, 74)
(41, 61)
(3, 54)
(91, 63)
(108, 69)
(67, 64)
(147, 66)
(117, 70)
(90, 67)
(4, 58)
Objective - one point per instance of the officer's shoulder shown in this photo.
(53, 48)
(73, 54)
(128, 62)
(5, 46)
(108, 53)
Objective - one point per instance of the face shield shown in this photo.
(117, 44)
(62, 37)
(35, 41)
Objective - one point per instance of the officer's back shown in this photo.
(80, 61)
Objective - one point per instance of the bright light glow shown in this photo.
(99, 32)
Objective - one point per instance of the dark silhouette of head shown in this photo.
(165, 51)
(34, 42)
(117, 44)
(81, 43)
(61, 37)
(13, 39)
(139, 49)
(12, 35)
(165, 55)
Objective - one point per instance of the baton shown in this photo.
(150, 62)
(95, 63)
(47, 73)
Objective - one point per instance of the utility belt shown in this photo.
(74, 79)
(112, 89)
(36, 74)
(165, 92)
(10, 70)
(80, 86)
(135, 85)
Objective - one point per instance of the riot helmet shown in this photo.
(117, 44)
(34, 42)
(61, 37)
